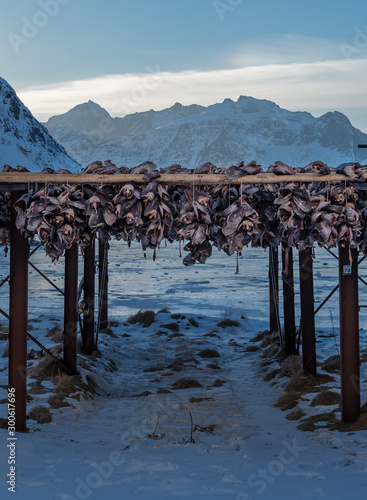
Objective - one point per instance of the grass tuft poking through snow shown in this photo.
(227, 323)
(185, 383)
(41, 414)
(144, 318)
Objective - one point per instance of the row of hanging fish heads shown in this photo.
(227, 216)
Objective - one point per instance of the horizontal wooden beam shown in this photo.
(176, 179)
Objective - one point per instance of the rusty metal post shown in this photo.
(307, 311)
(71, 307)
(349, 333)
(89, 292)
(274, 288)
(103, 284)
(288, 302)
(18, 321)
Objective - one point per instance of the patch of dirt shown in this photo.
(57, 401)
(307, 383)
(332, 364)
(3, 423)
(259, 336)
(185, 383)
(226, 323)
(142, 394)
(176, 334)
(213, 366)
(288, 400)
(41, 414)
(175, 316)
(153, 369)
(45, 369)
(36, 388)
(193, 399)
(176, 365)
(56, 333)
(252, 348)
(114, 324)
(310, 424)
(144, 318)
(171, 326)
(209, 353)
(57, 349)
(161, 332)
(270, 338)
(296, 414)
(193, 322)
(326, 398)
(272, 374)
(290, 366)
(359, 425)
(108, 331)
(218, 383)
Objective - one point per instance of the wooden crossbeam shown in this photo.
(8, 178)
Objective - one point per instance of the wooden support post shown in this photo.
(288, 302)
(103, 284)
(274, 288)
(307, 311)
(71, 307)
(18, 321)
(89, 293)
(349, 333)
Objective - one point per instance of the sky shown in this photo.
(136, 55)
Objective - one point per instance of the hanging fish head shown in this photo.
(94, 202)
(128, 190)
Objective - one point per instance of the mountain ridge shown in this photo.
(223, 133)
(24, 140)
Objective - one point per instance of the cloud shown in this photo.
(285, 49)
(314, 87)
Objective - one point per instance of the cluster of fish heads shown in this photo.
(226, 216)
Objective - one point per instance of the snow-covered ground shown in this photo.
(125, 445)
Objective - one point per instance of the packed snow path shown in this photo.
(101, 448)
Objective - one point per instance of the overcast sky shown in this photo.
(135, 55)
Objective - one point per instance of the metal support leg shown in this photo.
(307, 311)
(103, 284)
(288, 301)
(349, 333)
(70, 307)
(89, 292)
(18, 321)
(274, 288)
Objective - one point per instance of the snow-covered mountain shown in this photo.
(225, 133)
(25, 141)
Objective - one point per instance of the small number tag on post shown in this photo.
(347, 269)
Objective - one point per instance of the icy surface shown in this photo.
(108, 447)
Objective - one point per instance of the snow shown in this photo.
(109, 446)
(224, 133)
(24, 141)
